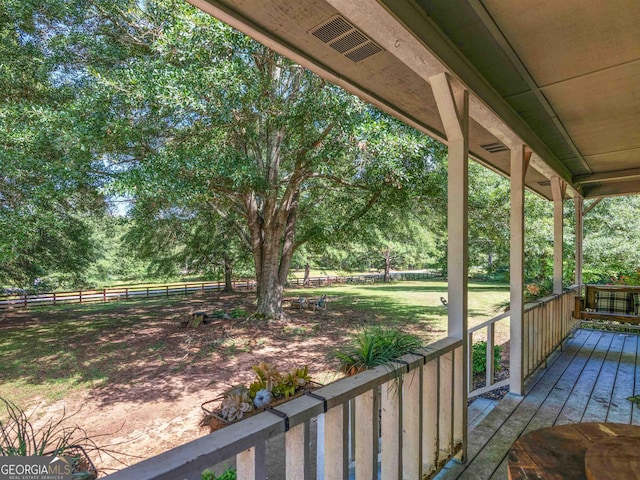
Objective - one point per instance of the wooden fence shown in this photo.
(136, 292)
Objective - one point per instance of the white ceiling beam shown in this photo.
(605, 177)
(611, 189)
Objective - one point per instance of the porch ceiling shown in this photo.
(560, 77)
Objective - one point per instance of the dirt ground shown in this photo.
(161, 372)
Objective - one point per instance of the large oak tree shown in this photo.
(197, 117)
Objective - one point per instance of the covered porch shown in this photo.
(544, 94)
(589, 380)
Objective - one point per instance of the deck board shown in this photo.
(590, 380)
(620, 408)
(559, 395)
(573, 410)
(598, 405)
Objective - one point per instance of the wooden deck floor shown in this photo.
(589, 381)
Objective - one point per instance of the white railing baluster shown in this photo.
(491, 340)
(430, 411)
(391, 440)
(367, 405)
(352, 429)
(445, 418)
(459, 403)
(336, 441)
(411, 422)
(250, 464)
(298, 466)
(470, 363)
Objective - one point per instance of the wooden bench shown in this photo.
(320, 303)
(607, 302)
(300, 302)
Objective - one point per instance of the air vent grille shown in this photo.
(332, 29)
(545, 183)
(495, 147)
(365, 51)
(346, 39)
(349, 41)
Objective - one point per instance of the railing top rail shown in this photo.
(193, 457)
(542, 301)
(486, 323)
(529, 306)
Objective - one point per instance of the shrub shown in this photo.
(375, 346)
(238, 313)
(479, 352)
(229, 474)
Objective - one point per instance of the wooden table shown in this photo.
(609, 451)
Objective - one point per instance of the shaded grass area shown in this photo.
(51, 353)
(414, 300)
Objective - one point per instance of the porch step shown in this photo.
(480, 408)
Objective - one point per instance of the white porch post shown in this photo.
(454, 112)
(579, 208)
(558, 188)
(519, 164)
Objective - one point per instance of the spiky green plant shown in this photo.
(375, 346)
(19, 436)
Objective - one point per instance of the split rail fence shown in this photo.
(137, 292)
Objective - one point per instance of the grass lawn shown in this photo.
(414, 300)
(50, 351)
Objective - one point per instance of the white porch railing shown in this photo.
(412, 411)
(547, 322)
(490, 367)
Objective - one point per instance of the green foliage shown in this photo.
(50, 180)
(610, 241)
(291, 382)
(238, 313)
(375, 346)
(228, 474)
(267, 376)
(479, 356)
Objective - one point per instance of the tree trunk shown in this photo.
(307, 273)
(228, 274)
(270, 285)
(387, 265)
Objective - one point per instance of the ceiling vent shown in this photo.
(495, 147)
(545, 183)
(346, 39)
